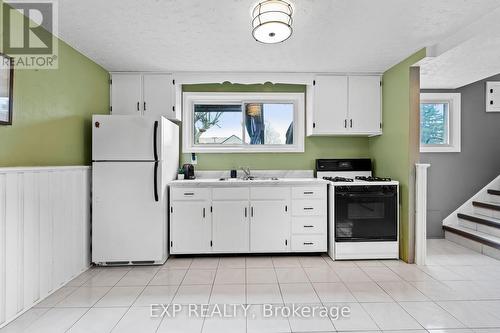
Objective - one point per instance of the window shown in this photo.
(439, 122)
(243, 122)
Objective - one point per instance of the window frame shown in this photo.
(192, 98)
(453, 129)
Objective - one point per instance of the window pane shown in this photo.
(217, 124)
(269, 123)
(4, 108)
(434, 123)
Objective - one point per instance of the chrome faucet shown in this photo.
(247, 172)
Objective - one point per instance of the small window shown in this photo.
(243, 122)
(439, 122)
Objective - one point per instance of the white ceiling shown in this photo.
(469, 55)
(215, 35)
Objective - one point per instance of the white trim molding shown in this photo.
(454, 122)
(190, 98)
(421, 213)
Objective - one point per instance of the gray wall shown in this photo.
(455, 177)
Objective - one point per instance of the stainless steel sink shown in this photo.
(250, 178)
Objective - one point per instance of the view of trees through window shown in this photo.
(249, 123)
(434, 123)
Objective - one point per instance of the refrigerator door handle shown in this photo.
(155, 137)
(156, 181)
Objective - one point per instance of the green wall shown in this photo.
(315, 147)
(52, 112)
(391, 151)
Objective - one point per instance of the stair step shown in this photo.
(474, 235)
(494, 192)
(489, 221)
(486, 205)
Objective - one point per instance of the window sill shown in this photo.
(447, 149)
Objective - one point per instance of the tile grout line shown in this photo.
(211, 290)
(281, 292)
(92, 306)
(176, 291)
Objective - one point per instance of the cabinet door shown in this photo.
(330, 104)
(126, 94)
(230, 226)
(269, 226)
(364, 104)
(190, 227)
(158, 95)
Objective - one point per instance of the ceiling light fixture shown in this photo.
(272, 21)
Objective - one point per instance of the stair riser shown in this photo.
(488, 230)
(493, 198)
(479, 227)
(487, 212)
(468, 243)
(467, 224)
(473, 245)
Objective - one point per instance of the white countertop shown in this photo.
(240, 182)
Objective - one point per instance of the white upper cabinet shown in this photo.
(364, 105)
(151, 94)
(330, 104)
(346, 105)
(126, 94)
(159, 95)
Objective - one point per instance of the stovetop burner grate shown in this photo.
(338, 179)
(373, 179)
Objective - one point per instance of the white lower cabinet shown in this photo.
(270, 226)
(255, 219)
(230, 226)
(190, 227)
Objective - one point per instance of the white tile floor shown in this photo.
(458, 291)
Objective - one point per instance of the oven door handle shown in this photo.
(367, 195)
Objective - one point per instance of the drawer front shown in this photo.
(184, 193)
(309, 208)
(230, 193)
(309, 243)
(309, 225)
(317, 192)
(269, 193)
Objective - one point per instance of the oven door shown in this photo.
(366, 213)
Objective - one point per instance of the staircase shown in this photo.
(476, 224)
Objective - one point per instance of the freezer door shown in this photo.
(125, 138)
(128, 224)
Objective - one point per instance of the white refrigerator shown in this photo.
(133, 160)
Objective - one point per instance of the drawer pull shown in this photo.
(188, 193)
(308, 243)
(310, 192)
(308, 226)
(308, 208)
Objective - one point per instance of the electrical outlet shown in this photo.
(194, 159)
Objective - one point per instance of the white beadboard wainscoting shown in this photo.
(44, 233)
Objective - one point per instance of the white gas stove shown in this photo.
(363, 210)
